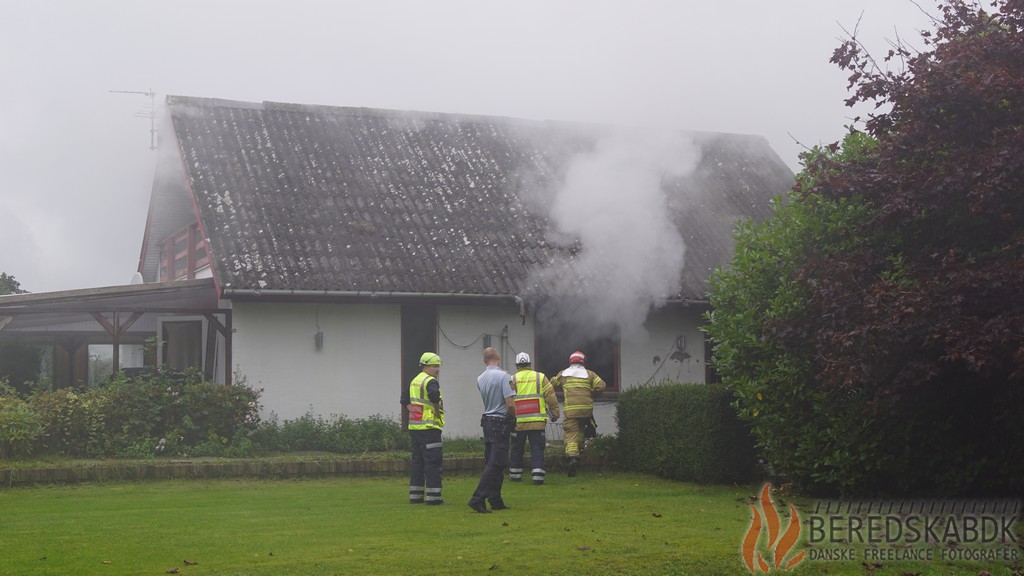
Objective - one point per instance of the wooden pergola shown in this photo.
(116, 314)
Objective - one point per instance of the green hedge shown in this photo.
(338, 434)
(148, 413)
(686, 432)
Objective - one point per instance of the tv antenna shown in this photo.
(150, 113)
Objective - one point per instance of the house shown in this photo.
(326, 248)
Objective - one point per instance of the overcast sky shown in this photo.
(75, 162)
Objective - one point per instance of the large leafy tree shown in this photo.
(19, 363)
(765, 350)
(909, 319)
(8, 285)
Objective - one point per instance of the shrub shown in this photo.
(149, 412)
(462, 445)
(73, 422)
(606, 447)
(189, 413)
(337, 434)
(20, 427)
(215, 412)
(141, 406)
(685, 432)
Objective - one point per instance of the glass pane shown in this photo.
(101, 360)
(180, 267)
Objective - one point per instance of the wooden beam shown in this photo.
(216, 324)
(116, 360)
(104, 322)
(128, 323)
(116, 329)
(210, 354)
(5, 321)
(95, 310)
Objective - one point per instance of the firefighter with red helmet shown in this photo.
(580, 386)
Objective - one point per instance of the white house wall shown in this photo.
(652, 356)
(461, 332)
(358, 370)
(356, 373)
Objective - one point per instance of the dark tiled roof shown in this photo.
(295, 197)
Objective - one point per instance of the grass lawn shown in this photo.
(610, 523)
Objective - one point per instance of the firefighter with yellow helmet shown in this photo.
(535, 402)
(580, 387)
(426, 419)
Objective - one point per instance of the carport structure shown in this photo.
(174, 324)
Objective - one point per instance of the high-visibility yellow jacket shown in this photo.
(422, 415)
(579, 392)
(535, 400)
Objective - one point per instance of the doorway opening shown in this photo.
(182, 344)
(556, 339)
(419, 335)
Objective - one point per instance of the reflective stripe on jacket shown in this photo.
(579, 393)
(421, 410)
(530, 405)
(535, 400)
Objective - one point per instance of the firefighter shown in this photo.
(426, 419)
(580, 387)
(535, 402)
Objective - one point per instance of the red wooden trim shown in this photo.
(179, 254)
(190, 254)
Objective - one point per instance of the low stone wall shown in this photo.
(186, 469)
(229, 469)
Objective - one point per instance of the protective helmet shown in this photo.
(430, 359)
(577, 357)
(522, 359)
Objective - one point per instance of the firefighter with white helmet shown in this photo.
(426, 419)
(535, 402)
(580, 387)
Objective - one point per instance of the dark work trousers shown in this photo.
(425, 467)
(537, 440)
(495, 460)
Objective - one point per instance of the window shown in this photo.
(101, 360)
(200, 255)
(182, 254)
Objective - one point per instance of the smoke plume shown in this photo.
(627, 254)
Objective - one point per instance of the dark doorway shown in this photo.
(557, 339)
(183, 344)
(419, 335)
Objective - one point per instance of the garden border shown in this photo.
(241, 468)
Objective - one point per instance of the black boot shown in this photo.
(573, 462)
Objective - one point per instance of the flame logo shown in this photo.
(779, 544)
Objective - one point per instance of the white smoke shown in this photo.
(630, 254)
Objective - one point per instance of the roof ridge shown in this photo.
(357, 111)
(178, 100)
